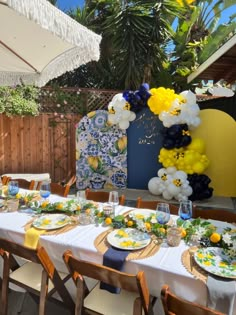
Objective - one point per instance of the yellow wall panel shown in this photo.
(218, 130)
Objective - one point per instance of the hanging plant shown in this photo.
(21, 100)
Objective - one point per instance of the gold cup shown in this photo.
(173, 236)
(12, 205)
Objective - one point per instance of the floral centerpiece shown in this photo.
(202, 231)
(27, 198)
(71, 206)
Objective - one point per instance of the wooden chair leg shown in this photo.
(5, 285)
(43, 292)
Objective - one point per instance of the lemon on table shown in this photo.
(108, 220)
(59, 206)
(183, 232)
(130, 223)
(215, 237)
(44, 204)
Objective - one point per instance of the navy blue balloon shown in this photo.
(176, 136)
(199, 184)
(137, 99)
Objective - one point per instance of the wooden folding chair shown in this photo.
(133, 298)
(152, 204)
(25, 184)
(102, 196)
(5, 179)
(38, 275)
(60, 190)
(57, 189)
(215, 214)
(174, 305)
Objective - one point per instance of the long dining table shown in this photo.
(163, 267)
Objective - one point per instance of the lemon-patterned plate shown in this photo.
(51, 221)
(216, 261)
(128, 239)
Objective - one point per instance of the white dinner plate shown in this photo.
(51, 221)
(215, 260)
(141, 214)
(128, 239)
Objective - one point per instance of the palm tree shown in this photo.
(197, 37)
(134, 37)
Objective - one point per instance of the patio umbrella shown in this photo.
(38, 42)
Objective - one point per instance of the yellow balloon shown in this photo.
(198, 168)
(197, 145)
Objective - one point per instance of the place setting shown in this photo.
(138, 231)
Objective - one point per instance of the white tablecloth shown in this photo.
(164, 267)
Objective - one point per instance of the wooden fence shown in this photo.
(46, 143)
(42, 144)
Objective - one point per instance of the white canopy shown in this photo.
(38, 42)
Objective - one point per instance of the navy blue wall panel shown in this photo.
(144, 144)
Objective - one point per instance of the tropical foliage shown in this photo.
(158, 42)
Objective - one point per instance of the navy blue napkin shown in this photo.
(113, 258)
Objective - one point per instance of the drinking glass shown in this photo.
(45, 190)
(185, 209)
(113, 200)
(81, 196)
(163, 213)
(13, 187)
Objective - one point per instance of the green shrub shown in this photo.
(20, 101)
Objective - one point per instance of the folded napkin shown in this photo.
(113, 258)
(221, 294)
(32, 237)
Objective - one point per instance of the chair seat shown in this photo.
(30, 275)
(116, 304)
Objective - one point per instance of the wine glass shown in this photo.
(163, 213)
(45, 190)
(81, 196)
(185, 209)
(113, 200)
(13, 187)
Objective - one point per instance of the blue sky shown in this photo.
(65, 5)
(69, 4)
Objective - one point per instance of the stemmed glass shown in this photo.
(185, 209)
(113, 200)
(45, 190)
(163, 213)
(13, 187)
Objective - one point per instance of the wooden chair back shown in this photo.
(57, 189)
(47, 271)
(5, 179)
(25, 184)
(215, 214)
(102, 196)
(174, 305)
(60, 190)
(129, 282)
(152, 204)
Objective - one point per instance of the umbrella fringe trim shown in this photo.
(51, 18)
(67, 61)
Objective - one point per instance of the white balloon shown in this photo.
(166, 195)
(124, 124)
(171, 169)
(154, 186)
(125, 114)
(188, 191)
(173, 190)
(132, 116)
